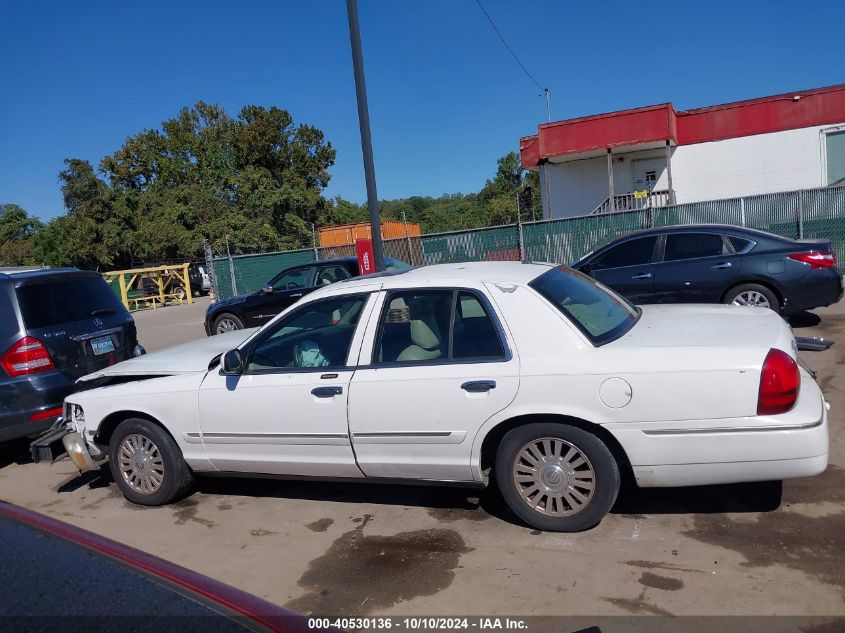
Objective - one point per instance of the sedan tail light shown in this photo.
(779, 383)
(815, 259)
(27, 356)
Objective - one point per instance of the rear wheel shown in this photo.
(753, 295)
(146, 463)
(227, 323)
(556, 477)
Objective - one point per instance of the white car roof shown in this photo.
(453, 274)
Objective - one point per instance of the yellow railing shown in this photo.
(170, 283)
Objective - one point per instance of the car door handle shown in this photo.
(642, 276)
(296, 295)
(478, 386)
(721, 266)
(326, 392)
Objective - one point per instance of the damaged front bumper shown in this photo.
(59, 441)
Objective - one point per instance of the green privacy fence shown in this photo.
(804, 214)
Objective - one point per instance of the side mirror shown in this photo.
(267, 290)
(233, 364)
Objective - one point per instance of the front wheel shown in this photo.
(227, 323)
(556, 477)
(146, 463)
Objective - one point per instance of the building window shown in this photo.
(835, 151)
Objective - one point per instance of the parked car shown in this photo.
(713, 263)
(283, 290)
(55, 326)
(534, 376)
(200, 280)
(112, 581)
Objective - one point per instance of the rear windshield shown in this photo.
(64, 300)
(600, 314)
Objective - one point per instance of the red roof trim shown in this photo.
(763, 115)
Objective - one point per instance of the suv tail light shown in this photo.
(815, 259)
(27, 356)
(779, 383)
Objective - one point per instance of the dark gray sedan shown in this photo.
(716, 263)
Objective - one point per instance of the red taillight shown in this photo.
(815, 259)
(27, 356)
(779, 383)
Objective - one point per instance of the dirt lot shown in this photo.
(352, 549)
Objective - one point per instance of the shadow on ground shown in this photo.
(804, 319)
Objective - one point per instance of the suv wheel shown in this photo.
(227, 323)
(556, 477)
(146, 463)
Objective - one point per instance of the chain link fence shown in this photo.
(804, 214)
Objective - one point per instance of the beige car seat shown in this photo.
(425, 345)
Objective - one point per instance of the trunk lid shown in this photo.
(708, 325)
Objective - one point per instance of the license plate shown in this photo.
(102, 345)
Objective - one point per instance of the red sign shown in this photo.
(366, 258)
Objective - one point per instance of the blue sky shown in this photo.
(445, 98)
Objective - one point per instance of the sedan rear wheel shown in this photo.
(146, 463)
(753, 295)
(557, 477)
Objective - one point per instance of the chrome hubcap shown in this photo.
(140, 463)
(554, 477)
(751, 298)
(226, 325)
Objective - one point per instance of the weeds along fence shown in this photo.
(804, 214)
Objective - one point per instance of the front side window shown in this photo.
(291, 279)
(601, 315)
(692, 245)
(317, 335)
(436, 325)
(631, 253)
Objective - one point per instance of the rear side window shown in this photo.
(740, 245)
(437, 325)
(691, 245)
(65, 300)
(631, 253)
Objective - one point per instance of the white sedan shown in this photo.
(533, 376)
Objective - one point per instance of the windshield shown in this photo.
(599, 313)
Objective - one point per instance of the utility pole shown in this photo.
(366, 140)
(548, 105)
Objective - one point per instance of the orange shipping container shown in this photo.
(344, 234)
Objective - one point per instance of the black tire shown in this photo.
(176, 477)
(749, 289)
(605, 477)
(227, 317)
(180, 293)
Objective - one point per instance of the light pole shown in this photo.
(366, 140)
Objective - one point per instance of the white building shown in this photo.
(655, 155)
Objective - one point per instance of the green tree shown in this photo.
(17, 234)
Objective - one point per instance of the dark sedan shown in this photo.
(283, 290)
(714, 263)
